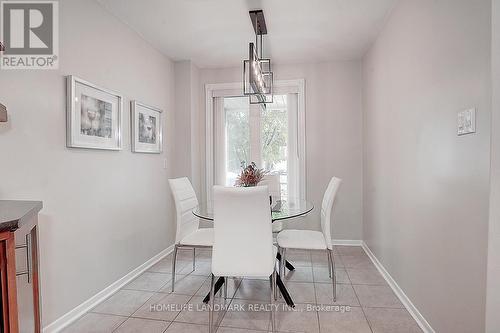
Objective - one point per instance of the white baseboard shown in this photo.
(70, 317)
(347, 242)
(412, 309)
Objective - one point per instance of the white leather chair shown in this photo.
(243, 241)
(188, 233)
(274, 186)
(314, 240)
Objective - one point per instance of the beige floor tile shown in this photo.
(321, 275)
(232, 285)
(377, 296)
(365, 276)
(391, 321)
(256, 290)
(149, 281)
(185, 284)
(184, 254)
(350, 250)
(345, 294)
(165, 265)
(359, 262)
(162, 307)
(301, 292)
(136, 325)
(197, 312)
(299, 274)
(299, 258)
(304, 318)
(352, 321)
(95, 323)
(203, 268)
(251, 318)
(319, 258)
(123, 303)
(236, 330)
(205, 255)
(186, 328)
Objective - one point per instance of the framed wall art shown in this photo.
(147, 128)
(94, 116)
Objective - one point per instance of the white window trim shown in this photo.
(235, 89)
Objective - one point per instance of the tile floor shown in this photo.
(365, 303)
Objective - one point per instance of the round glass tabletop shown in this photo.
(284, 208)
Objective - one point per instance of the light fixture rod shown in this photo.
(258, 21)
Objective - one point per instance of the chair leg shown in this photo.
(225, 287)
(194, 259)
(282, 264)
(174, 260)
(334, 277)
(273, 297)
(280, 251)
(211, 307)
(329, 264)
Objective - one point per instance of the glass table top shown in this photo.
(281, 209)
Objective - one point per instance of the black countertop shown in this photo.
(13, 213)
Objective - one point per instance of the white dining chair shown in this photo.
(274, 186)
(243, 241)
(188, 234)
(314, 240)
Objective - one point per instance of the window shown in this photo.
(274, 140)
(239, 132)
(237, 137)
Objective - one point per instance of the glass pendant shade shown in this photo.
(257, 78)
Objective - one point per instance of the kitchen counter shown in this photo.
(14, 213)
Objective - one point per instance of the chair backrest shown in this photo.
(326, 208)
(243, 241)
(273, 184)
(185, 201)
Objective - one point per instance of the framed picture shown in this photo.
(94, 116)
(147, 133)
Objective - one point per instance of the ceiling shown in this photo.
(216, 33)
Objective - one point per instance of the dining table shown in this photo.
(283, 208)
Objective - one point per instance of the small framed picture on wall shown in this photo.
(93, 116)
(147, 132)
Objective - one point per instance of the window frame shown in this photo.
(213, 90)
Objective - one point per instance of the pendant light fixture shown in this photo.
(257, 74)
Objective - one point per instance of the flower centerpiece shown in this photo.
(250, 175)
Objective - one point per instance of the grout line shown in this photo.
(129, 316)
(315, 297)
(355, 294)
(360, 305)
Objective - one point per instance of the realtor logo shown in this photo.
(29, 31)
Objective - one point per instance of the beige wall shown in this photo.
(426, 190)
(333, 136)
(105, 212)
(493, 289)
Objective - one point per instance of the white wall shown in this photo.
(182, 118)
(333, 136)
(426, 190)
(187, 123)
(493, 288)
(105, 212)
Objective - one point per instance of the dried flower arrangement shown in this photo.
(250, 175)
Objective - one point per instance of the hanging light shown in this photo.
(257, 74)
